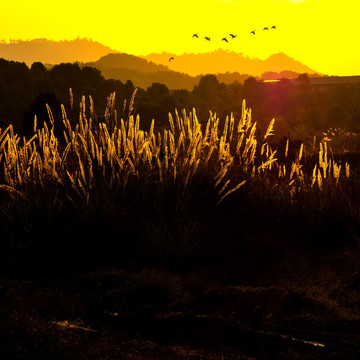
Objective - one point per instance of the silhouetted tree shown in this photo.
(254, 94)
(207, 87)
(304, 90)
(38, 70)
(91, 76)
(67, 76)
(304, 80)
(182, 98)
(157, 90)
(129, 89)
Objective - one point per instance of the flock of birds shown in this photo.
(208, 38)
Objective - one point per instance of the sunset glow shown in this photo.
(320, 33)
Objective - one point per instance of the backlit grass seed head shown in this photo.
(110, 152)
(319, 179)
(71, 99)
(301, 152)
(347, 170)
(269, 130)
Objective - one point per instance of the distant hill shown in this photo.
(126, 61)
(182, 73)
(143, 73)
(140, 71)
(221, 61)
(53, 52)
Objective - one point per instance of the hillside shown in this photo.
(126, 61)
(221, 61)
(182, 73)
(131, 62)
(53, 52)
(143, 73)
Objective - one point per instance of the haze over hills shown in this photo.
(184, 72)
(143, 72)
(222, 61)
(53, 52)
(126, 61)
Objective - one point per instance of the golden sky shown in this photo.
(323, 34)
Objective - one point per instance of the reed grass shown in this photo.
(115, 161)
(107, 155)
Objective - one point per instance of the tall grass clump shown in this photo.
(107, 189)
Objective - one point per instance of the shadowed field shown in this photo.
(193, 241)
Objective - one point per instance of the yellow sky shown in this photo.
(322, 34)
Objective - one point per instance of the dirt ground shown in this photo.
(305, 311)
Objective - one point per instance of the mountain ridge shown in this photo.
(222, 61)
(86, 50)
(53, 52)
(121, 60)
(184, 72)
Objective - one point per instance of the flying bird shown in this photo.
(252, 32)
(274, 27)
(207, 38)
(265, 28)
(233, 36)
(172, 58)
(196, 35)
(224, 39)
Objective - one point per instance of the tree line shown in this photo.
(300, 110)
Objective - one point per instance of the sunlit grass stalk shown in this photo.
(110, 152)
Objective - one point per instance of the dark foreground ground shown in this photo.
(305, 309)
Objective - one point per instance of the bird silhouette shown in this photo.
(172, 58)
(274, 27)
(224, 39)
(196, 35)
(265, 28)
(233, 36)
(252, 32)
(207, 38)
